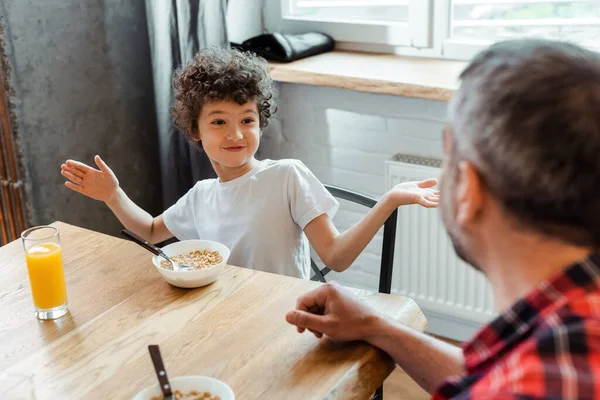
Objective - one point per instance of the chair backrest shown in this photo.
(389, 239)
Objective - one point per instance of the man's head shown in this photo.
(223, 98)
(524, 143)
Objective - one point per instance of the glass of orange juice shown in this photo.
(43, 255)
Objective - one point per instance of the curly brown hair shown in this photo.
(216, 74)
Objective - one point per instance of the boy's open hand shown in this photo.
(98, 184)
(416, 193)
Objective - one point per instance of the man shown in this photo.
(520, 191)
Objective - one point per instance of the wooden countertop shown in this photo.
(374, 73)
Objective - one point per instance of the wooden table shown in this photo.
(233, 330)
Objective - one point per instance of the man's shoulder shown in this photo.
(572, 328)
(562, 350)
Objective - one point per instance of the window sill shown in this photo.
(374, 73)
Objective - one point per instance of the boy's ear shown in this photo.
(194, 131)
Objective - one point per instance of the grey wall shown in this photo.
(82, 78)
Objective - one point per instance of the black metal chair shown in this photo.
(387, 251)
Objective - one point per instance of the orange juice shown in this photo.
(46, 275)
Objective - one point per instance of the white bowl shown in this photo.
(186, 384)
(192, 278)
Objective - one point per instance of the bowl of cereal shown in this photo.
(190, 388)
(207, 259)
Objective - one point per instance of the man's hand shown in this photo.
(99, 184)
(332, 311)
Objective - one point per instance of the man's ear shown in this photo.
(469, 193)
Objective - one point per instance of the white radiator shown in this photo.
(456, 299)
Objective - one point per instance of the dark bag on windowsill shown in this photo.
(287, 48)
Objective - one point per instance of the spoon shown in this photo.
(161, 373)
(154, 250)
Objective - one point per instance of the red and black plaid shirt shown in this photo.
(546, 346)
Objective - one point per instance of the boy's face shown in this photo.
(229, 132)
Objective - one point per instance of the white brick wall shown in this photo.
(344, 137)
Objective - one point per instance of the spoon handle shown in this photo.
(161, 373)
(142, 242)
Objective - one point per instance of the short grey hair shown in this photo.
(527, 114)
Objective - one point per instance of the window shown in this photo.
(391, 22)
(450, 28)
(489, 21)
(390, 11)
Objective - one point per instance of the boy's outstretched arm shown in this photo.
(102, 184)
(339, 250)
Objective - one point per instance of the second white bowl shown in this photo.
(187, 384)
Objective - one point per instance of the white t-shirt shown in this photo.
(260, 216)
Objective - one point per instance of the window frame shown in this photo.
(430, 29)
(416, 32)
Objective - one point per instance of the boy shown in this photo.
(264, 211)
